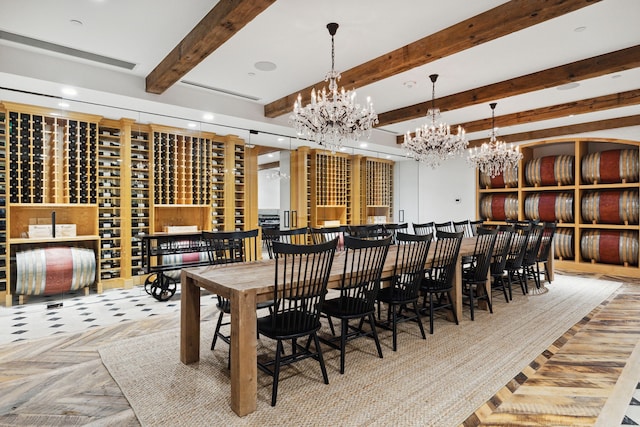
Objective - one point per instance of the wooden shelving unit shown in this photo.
(571, 202)
(377, 197)
(116, 180)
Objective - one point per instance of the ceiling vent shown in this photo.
(52, 47)
(223, 91)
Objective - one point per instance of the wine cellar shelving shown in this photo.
(330, 188)
(589, 187)
(377, 197)
(3, 204)
(114, 180)
(110, 191)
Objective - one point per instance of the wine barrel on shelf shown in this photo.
(53, 270)
(611, 207)
(563, 243)
(612, 166)
(499, 207)
(549, 207)
(550, 170)
(509, 178)
(610, 246)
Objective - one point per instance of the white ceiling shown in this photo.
(292, 34)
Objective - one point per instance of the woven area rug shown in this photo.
(439, 381)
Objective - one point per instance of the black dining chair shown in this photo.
(270, 235)
(300, 285)
(475, 276)
(402, 293)
(438, 281)
(394, 229)
(325, 234)
(499, 260)
(368, 231)
(424, 228)
(474, 226)
(363, 263)
(297, 236)
(464, 227)
(447, 227)
(515, 256)
(545, 249)
(528, 268)
(225, 247)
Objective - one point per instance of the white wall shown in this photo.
(442, 194)
(268, 191)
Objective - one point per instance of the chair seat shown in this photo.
(346, 307)
(390, 297)
(288, 325)
(429, 286)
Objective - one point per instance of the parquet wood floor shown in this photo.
(60, 381)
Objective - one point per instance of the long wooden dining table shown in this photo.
(246, 284)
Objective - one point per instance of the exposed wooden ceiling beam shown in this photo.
(271, 165)
(619, 122)
(583, 106)
(225, 19)
(507, 18)
(613, 62)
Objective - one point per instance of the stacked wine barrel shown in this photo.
(563, 243)
(499, 207)
(549, 207)
(507, 179)
(53, 270)
(550, 170)
(610, 207)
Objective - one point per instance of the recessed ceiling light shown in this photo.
(363, 145)
(280, 139)
(207, 116)
(69, 91)
(251, 74)
(63, 104)
(409, 84)
(270, 155)
(343, 148)
(76, 22)
(192, 125)
(265, 66)
(568, 86)
(616, 76)
(579, 29)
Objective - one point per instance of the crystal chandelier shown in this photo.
(494, 156)
(433, 142)
(334, 117)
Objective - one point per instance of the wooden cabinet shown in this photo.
(115, 180)
(377, 197)
(328, 188)
(589, 186)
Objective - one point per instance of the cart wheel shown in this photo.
(163, 288)
(149, 282)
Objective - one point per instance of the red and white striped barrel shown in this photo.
(549, 207)
(499, 207)
(563, 243)
(507, 179)
(611, 207)
(48, 271)
(610, 246)
(182, 259)
(612, 166)
(550, 170)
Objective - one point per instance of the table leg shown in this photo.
(244, 388)
(189, 320)
(456, 292)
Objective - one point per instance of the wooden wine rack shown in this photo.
(577, 188)
(330, 187)
(117, 180)
(377, 197)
